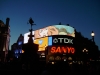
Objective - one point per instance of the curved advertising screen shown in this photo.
(52, 35)
(54, 30)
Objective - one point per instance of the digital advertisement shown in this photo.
(50, 36)
(51, 30)
(55, 30)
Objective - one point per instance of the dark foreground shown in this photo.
(57, 69)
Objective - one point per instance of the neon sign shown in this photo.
(62, 49)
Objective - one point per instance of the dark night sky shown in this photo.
(84, 15)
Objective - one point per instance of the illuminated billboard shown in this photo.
(52, 35)
(60, 40)
(59, 53)
(26, 36)
(54, 30)
(61, 50)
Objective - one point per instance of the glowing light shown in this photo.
(85, 50)
(64, 59)
(53, 62)
(70, 58)
(16, 51)
(92, 34)
(22, 51)
(19, 43)
(58, 58)
(43, 56)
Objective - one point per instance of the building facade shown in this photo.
(16, 48)
(4, 39)
(63, 43)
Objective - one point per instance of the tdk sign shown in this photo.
(63, 40)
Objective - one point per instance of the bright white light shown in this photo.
(92, 34)
(26, 37)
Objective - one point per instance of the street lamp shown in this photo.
(93, 34)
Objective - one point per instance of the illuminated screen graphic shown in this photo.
(54, 30)
(43, 42)
(26, 36)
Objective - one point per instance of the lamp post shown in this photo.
(92, 34)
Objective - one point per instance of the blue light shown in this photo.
(16, 51)
(49, 41)
(20, 51)
(17, 56)
(19, 43)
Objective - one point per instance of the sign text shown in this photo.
(62, 49)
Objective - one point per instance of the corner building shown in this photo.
(56, 42)
(4, 39)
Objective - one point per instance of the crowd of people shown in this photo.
(51, 69)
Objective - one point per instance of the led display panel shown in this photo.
(54, 30)
(60, 35)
